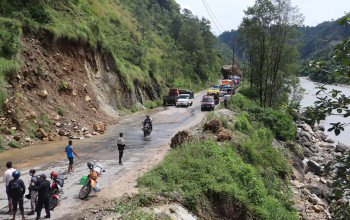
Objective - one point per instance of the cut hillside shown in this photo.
(67, 64)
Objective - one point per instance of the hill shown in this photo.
(81, 62)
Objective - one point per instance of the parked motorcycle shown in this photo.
(91, 183)
(146, 129)
(56, 189)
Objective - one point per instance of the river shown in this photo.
(309, 98)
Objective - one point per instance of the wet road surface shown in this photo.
(101, 150)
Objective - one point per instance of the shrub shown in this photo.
(14, 144)
(2, 145)
(61, 111)
(242, 123)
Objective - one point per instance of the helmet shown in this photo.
(91, 165)
(54, 174)
(16, 174)
(147, 116)
(32, 171)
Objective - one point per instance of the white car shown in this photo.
(183, 100)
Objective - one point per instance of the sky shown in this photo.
(228, 14)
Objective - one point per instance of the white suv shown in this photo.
(184, 100)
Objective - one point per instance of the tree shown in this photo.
(267, 33)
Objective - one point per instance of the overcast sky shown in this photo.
(229, 13)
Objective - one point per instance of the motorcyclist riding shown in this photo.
(148, 121)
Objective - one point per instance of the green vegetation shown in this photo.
(2, 145)
(63, 85)
(14, 144)
(205, 170)
(40, 68)
(61, 111)
(11, 132)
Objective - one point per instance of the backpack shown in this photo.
(15, 190)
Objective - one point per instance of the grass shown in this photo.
(61, 111)
(63, 85)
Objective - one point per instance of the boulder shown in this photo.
(331, 141)
(298, 172)
(318, 208)
(307, 135)
(307, 152)
(224, 135)
(42, 133)
(341, 148)
(305, 127)
(321, 135)
(213, 125)
(99, 127)
(318, 128)
(321, 190)
(88, 136)
(87, 98)
(315, 200)
(51, 138)
(315, 167)
(180, 138)
(27, 139)
(56, 118)
(17, 138)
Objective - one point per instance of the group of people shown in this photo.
(39, 186)
(39, 189)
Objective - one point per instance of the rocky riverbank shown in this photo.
(311, 188)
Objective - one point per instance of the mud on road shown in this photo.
(140, 155)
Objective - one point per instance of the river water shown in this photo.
(309, 98)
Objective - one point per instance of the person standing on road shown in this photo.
(121, 147)
(70, 155)
(16, 191)
(33, 193)
(43, 188)
(6, 179)
(225, 102)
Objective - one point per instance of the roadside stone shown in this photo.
(45, 139)
(51, 138)
(87, 98)
(320, 190)
(94, 133)
(56, 118)
(99, 127)
(58, 124)
(315, 167)
(88, 136)
(43, 94)
(341, 201)
(213, 125)
(331, 141)
(321, 135)
(42, 132)
(341, 148)
(306, 135)
(224, 135)
(314, 199)
(299, 207)
(13, 128)
(27, 139)
(180, 138)
(307, 152)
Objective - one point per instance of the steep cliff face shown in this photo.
(65, 87)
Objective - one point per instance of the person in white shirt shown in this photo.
(121, 147)
(6, 179)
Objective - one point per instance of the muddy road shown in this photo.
(140, 155)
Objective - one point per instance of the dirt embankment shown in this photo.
(65, 88)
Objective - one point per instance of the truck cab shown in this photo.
(172, 98)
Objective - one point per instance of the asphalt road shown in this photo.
(102, 150)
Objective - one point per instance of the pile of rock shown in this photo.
(312, 190)
(216, 127)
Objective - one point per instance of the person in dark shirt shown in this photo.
(43, 188)
(16, 190)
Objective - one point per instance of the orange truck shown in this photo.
(227, 81)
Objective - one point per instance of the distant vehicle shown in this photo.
(146, 129)
(216, 86)
(172, 97)
(215, 94)
(208, 103)
(190, 93)
(227, 81)
(184, 100)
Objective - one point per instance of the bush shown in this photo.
(14, 144)
(61, 111)
(242, 123)
(63, 85)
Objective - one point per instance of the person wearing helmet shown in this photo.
(70, 155)
(6, 179)
(16, 191)
(148, 121)
(43, 188)
(33, 193)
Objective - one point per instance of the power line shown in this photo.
(217, 20)
(206, 7)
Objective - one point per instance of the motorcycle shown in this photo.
(91, 183)
(146, 129)
(56, 189)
